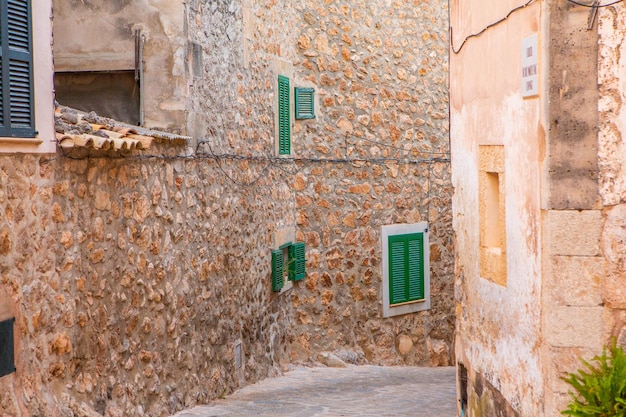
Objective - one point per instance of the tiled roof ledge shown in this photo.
(76, 129)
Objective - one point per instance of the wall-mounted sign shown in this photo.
(530, 66)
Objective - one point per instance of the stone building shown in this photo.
(538, 209)
(136, 266)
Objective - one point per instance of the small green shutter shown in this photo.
(284, 125)
(297, 262)
(304, 103)
(406, 268)
(277, 270)
(16, 80)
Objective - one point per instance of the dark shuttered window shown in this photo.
(406, 268)
(7, 360)
(284, 126)
(16, 68)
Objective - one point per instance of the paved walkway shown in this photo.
(364, 391)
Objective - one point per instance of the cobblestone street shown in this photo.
(372, 391)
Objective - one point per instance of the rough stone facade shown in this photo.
(611, 145)
(133, 280)
(142, 284)
(380, 70)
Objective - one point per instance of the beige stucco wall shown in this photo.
(498, 326)
(99, 35)
(565, 184)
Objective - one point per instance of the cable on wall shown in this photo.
(477, 34)
(595, 5)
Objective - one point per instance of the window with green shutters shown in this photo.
(16, 80)
(305, 103)
(284, 119)
(290, 259)
(277, 270)
(297, 262)
(405, 268)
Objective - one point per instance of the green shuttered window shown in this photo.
(304, 103)
(297, 262)
(289, 258)
(406, 268)
(16, 80)
(277, 270)
(284, 125)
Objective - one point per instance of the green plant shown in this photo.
(600, 386)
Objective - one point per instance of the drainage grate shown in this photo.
(7, 360)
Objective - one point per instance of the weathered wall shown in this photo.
(576, 301)
(576, 285)
(131, 282)
(380, 73)
(611, 155)
(498, 325)
(97, 35)
(133, 279)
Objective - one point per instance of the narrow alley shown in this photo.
(352, 391)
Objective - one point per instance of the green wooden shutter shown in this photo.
(16, 80)
(277, 270)
(406, 268)
(304, 98)
(297, 262)
(284, 125)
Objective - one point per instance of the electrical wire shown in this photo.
(477, 34)
(597, 5)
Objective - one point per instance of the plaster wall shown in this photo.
(498, 326)
(97, 35)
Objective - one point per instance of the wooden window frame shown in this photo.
(17, 98)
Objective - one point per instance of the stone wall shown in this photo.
(141, 285)
(612, 145)
(380, 75)
(133, 281)
(376, 153)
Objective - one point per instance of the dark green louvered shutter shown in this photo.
(284, 125)
(297, 262)
(16, 80)
(7, 357)
(406, 268)
(304, 103)
(277, 270)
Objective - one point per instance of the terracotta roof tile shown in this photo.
(76, 129)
